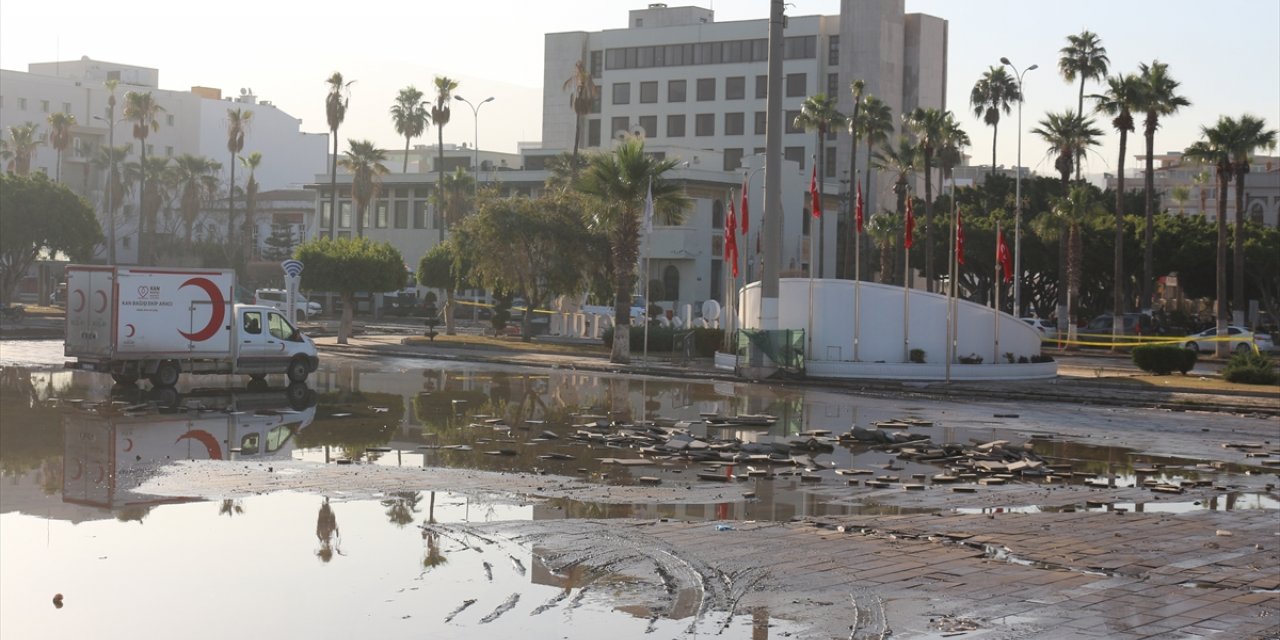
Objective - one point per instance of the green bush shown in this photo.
(1188, 363)
(1040, 357)
(1159, 359)
(917, 356)
(1250, 368)
(663, 339)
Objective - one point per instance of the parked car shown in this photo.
(1135, 324)
(278, 298)
(1241, 340)
(1047, 330)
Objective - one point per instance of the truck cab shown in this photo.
(266, 342)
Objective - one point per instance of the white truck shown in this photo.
(134, 322)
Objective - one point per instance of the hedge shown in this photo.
(1250, 368)
(662, 339)
(1163, 359)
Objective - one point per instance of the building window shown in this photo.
(344, 215)
(790, 124)
(22, 104)
(671, 282)
(733, 123)
(44, 106)
(326, 214)
(595, 102)
(650, 126)
(796, 85)
(800, 48)
(676, 90)
(833, 85)
(66, 107)
(619, 126)
(717, 214)
(622, 93)
(795, 154)
(593, 132)
(717, 268)
(419, 214)
(597, 63)
(402, 214)
(649, 92)
(761, 122)
(675, 126)
(732, 159)
(735, 88)
(168, 120)
(833, 50)
(829, 165)
(706, 89)
(381, 220)
(762, 87)
(704, 124)
(168, 151)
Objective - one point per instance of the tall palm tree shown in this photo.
(818, 113)
(1073, 211)
(60, 124)
(1159, 98)
(885, 229)
(1123, 96)
(582, 98)
(875, 124)
(1248, 134)
(113, 173)
(901, 160)
(1200, 179)
(152, 191)
(619, 183)
(1181, 194)
(930, 126)
(143, 111)
(1086, 58)
(410, 118)
(109, 159)
(250, 162)
(994, 92)
(335, 110)
(364, 161)
(237, 126)
(440, 113)
(196, 180)
(855, 133)
(1214, 148)
(23, 140)
(454, 199)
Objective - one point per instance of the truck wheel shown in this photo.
(166, 374)
(297, 370)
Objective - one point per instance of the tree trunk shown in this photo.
(231, 205)
(624, 263)
(1148, 257)
(333, 187)
(928, 220)
(450, 305)
(1117, 284)
(995, 129)
(348, 308)
(1222, 347)
(1238, 306)
(440, 180)
(577, 136)
(405, 167)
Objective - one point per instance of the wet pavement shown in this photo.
(427, 485)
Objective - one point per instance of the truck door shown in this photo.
(253, 347)
(91, 311)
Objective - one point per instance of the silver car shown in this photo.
(278, 298)
(1240, 339)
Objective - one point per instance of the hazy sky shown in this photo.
(1226, 53)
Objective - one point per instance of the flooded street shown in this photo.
(404, 497)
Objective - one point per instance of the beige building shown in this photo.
(1199, 186)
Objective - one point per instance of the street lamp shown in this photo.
(1017, 221)
(475, 150)
(111, 183)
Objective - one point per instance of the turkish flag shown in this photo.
(813, 193)
(911, 226)
(959, 240)
(1004, 257)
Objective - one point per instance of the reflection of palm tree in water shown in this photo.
(230, 508)
(433, 558)
(401, 506)
(327, 532)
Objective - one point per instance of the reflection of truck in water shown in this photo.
(134, 322)
(110, 452)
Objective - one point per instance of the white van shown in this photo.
(277, 298)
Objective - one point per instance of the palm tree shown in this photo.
(23, 140)
(196, 180)
(409, 117)
(458, 192)
(930, 126)
(110, 159)
(149, 174)
(619, 182)
(440, 113)
(994, 92)
(875, 123)
(60, 124)
(1073, 211)
(1123, 96)
(1084, 56)
(1159, 98)
(335, 110)
(1214, 148)
(113, 174)
(581, 100)
(855, 133)
(250, 162)
(885, 229)
(237, 126)
(1181, 194)
(143, 111)
(818, 113)
(1248, 134)
(1201, 179)
(364, 162)
(901, 160)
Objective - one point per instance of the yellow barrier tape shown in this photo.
(1108, 340)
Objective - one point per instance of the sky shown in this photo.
(1226, 54)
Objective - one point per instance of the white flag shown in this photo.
(648, 208)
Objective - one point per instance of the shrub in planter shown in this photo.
(1040, 357)
(917, 356)
(1158, 359)
(659, 338)
(1250, 368)
(972, 358)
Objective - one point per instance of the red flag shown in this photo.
(911, 225)
(731, 239)
(859, 208)
(1004, 258)
(959, 240)
(813, 193)
(746, 221)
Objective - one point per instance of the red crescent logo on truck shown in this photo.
(103, 307)
(219, 310)
(205, 438)
(79, 300)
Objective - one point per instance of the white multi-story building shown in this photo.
(1191, 188)
(680, 78)
(193, 122)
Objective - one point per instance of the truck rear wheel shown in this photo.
(297, 370)
(166, 374)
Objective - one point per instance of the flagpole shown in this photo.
(951, 284)
(648, 250)
(906, 285)
(815, 205)
(995, 312)
(857, 271)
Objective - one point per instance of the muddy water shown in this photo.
(77, 521)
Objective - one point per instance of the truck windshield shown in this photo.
(280, 328)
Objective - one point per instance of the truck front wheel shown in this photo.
(297, 370)
(166, 374)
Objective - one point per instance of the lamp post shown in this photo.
(1017, 220)
(111, 187)
(475, 138)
